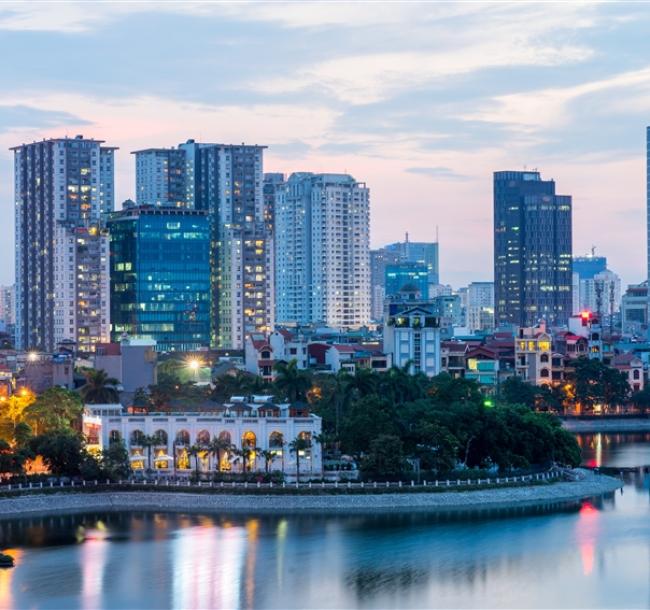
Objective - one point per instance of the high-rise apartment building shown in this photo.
(160, 277)
(160, 177)
(63, 190)
(532, 250)
(226, 181)
(7, 306)
(322, 233)
(480, 306)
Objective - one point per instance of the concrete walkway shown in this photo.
(589, 485)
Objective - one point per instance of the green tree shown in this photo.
(115, 461)
(62, 451)
(641, 399)
(516, 391)
(55, 409)
(385, 457)
(291, 382)
(99, 388)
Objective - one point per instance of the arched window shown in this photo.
(114, 436)
(276, 440)
(161, 438)
(225, 437)
(543, 373)
(635, 374)
(203, 438)
(306, 436)
(182, 437)
(249, 440)
(136, 437)
(543, 358)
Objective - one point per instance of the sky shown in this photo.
(422, 101)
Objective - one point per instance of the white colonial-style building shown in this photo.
(229, 439)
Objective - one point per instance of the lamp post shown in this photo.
(194, 365)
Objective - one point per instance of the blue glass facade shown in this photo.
(160, 277)
(407, 274)
(588, 266)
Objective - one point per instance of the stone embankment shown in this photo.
(587, 485)
(612, 424)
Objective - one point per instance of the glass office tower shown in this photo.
(160, 277)
(532, 250)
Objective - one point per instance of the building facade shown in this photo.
(226, 182)
(160, 277)
(63, 191)
(412, 333)
(8, 306)
(322, 251)
(379, 259)
(399, 275)
(424, 253)
(634, 309)
(242, 425)
(480, 306)
(532, 250)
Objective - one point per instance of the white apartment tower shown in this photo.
(322, 251)
(63, 190)
(480, 306)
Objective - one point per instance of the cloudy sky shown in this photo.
(420, 100)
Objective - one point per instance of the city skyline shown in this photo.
(424, 121)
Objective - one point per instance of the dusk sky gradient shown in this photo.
(421, 101)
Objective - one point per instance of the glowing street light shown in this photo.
(32, 356)
(194, 364)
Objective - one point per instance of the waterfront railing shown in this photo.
(161, 483)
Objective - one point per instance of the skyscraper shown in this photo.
(425, 253)
(226, 181)
(160, 177)
(160, 276)
(322, 250)
(7, 306)
(63, 190)
(532, 250)
(379, 259)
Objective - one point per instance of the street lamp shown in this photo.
(194, 365)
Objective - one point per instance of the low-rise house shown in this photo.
(632, 367)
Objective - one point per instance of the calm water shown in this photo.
(589, 555)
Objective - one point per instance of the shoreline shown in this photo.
(167, 501)
(587, 426)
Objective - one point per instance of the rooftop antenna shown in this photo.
(406, 237)
(593, 250)
(437, 238)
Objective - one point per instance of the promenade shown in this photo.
(211, 500)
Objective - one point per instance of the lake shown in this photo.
(593, 554)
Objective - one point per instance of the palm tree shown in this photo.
(195, 451)
(217, 445)
(291, 381)
(364, 382)
(148, 442)
(268, 456)
(297, 445)
(99, 388)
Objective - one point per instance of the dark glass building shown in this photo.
(588, 266)
(532, 250)
(160, 276)
(413, 275)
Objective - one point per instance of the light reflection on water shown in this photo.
(585, 555)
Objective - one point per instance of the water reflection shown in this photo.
(584, 554)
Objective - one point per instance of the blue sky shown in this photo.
(422, 101)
